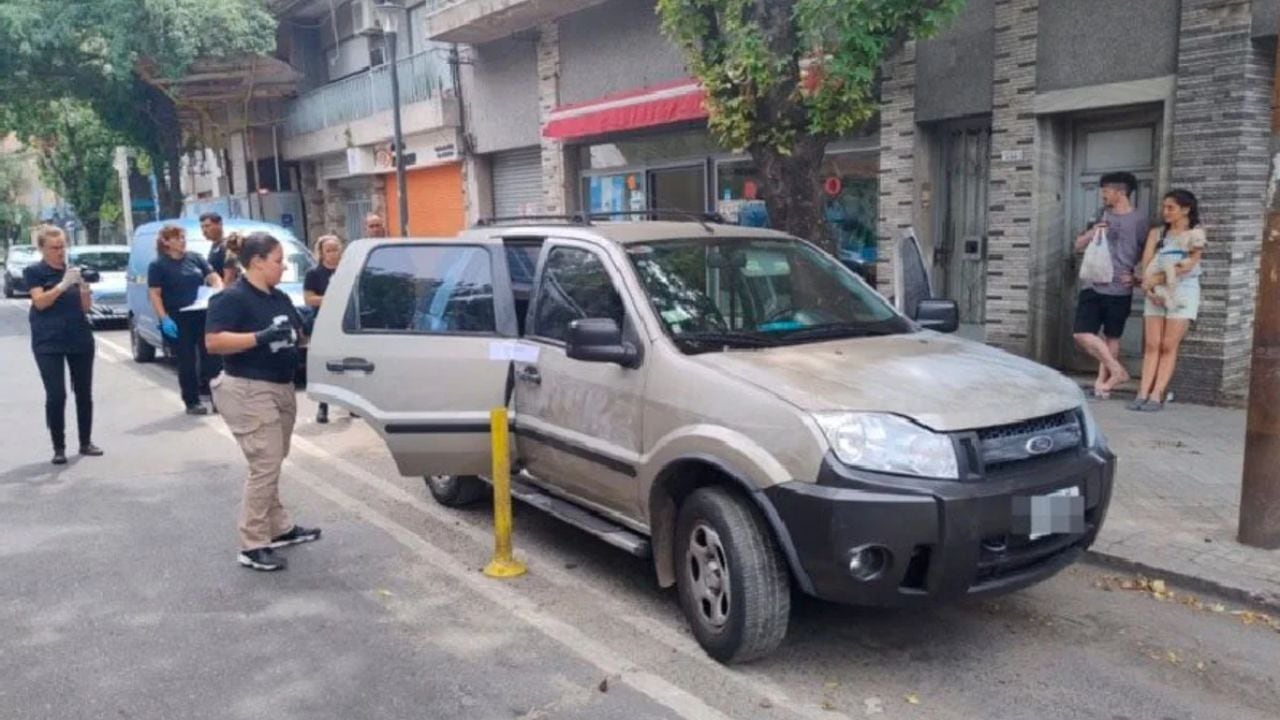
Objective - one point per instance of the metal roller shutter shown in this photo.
(517, 182)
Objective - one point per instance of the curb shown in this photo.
(1258, 599)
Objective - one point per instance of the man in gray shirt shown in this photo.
(1105, 306)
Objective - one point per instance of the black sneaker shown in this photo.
(197, 409)
(91, 450)
(59, 456)
(263, 559)
(296, 536)
(322, 416)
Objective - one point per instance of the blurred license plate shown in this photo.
(1061, 511)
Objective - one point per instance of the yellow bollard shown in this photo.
(503, 564)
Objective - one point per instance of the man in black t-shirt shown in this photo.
(256, 329)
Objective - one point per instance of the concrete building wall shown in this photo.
(1221, 132)
(897, 159)
(1095, 42)
(954, 70)
(500, 87)
(615, 47)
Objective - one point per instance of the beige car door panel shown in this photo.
(411, 337)
(580, 422)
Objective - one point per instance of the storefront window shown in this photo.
(617, 193)
(649, 150)
(849, 200)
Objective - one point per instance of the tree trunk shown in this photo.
(793, 188)
(92, 230)
(162, 114)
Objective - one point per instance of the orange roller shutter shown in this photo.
(435, 201)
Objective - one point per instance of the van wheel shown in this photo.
(143, 351)
(456, 490)
(732, 581)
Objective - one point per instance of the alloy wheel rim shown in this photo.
(708, 571)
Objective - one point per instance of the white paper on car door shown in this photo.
(509, 350)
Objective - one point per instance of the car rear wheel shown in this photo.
(143, 351)
(732, 581)
(8, 289)
(456, 490)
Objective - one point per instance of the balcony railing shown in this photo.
(422, 76)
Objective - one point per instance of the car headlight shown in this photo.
(1093, 436)
(888, 443)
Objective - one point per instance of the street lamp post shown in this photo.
(388, 13)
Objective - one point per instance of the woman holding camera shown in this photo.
(173, 281)
(61, 337)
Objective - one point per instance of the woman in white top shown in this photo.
(1170, 306)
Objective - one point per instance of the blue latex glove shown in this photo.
(169, 328)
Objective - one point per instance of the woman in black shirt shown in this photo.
(328, 253)
(174, 280)
(61, 336)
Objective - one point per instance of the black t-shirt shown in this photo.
(218, 257)
(179, 280)
(317, 280)
(243, 308)
(62, 327)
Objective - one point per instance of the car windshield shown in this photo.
(101, 260)
(22, 255)
(297, 261)
(758, 292)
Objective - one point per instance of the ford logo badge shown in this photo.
(1039, 445)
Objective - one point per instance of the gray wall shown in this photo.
(500, 88)
(954, 70)
(1093, 42)
(614, 47)
(1266, 17)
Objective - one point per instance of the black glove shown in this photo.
(279, 331)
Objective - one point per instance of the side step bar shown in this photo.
(608, 531)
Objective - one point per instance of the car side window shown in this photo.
(424, 290)
(575, 285)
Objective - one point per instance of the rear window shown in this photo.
(424, 289)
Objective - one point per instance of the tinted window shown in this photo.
(575, 285)
(424, 289)
(522, 260)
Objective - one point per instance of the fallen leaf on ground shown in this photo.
(384, 592)
(828, 705)
(766, 703)
(912, 699)
(604, 685)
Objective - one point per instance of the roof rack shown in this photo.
(702, 218)
(574, 219)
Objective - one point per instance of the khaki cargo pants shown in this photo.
(261, 415)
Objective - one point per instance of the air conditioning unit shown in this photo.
(361, 161)
(364, 19)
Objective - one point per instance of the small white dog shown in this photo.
(1161, 274)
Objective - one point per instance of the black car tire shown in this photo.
(456, 490)
(143, 351)
(747, 619)
(8, 289)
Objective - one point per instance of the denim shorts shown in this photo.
(1188, 296)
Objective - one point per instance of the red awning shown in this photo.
(674, 102)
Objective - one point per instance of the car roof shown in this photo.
(236, 224)
(627, 233)
(98, 248)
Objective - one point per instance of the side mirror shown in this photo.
(940, 315)
(599, 340)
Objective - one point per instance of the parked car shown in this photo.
(16, 260)
(732, 402)
(144, 332)
(111, 263)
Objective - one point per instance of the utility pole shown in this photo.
(1260, 489)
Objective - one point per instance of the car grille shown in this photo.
(1041, 437)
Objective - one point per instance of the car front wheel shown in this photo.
(732, 581)
(456, 490)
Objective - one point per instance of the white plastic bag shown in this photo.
(1096, 268)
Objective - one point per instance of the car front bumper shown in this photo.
(944, 539)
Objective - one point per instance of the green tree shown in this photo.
(786, 77)
(13, 214)
(76, 155)
(114, 55)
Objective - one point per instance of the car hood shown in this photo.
(111, 282)
(944, 383)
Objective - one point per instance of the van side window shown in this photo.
(575, 285)
(424, 289)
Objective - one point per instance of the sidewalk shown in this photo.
(1176, 503)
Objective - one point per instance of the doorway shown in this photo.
(1117, 142)
(679, 188)
(960, 252)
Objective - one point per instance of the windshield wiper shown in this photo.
(834, 331)
(715, 339)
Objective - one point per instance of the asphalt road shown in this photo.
(120, 598)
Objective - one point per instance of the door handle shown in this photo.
(530, 375)
(345, 364)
